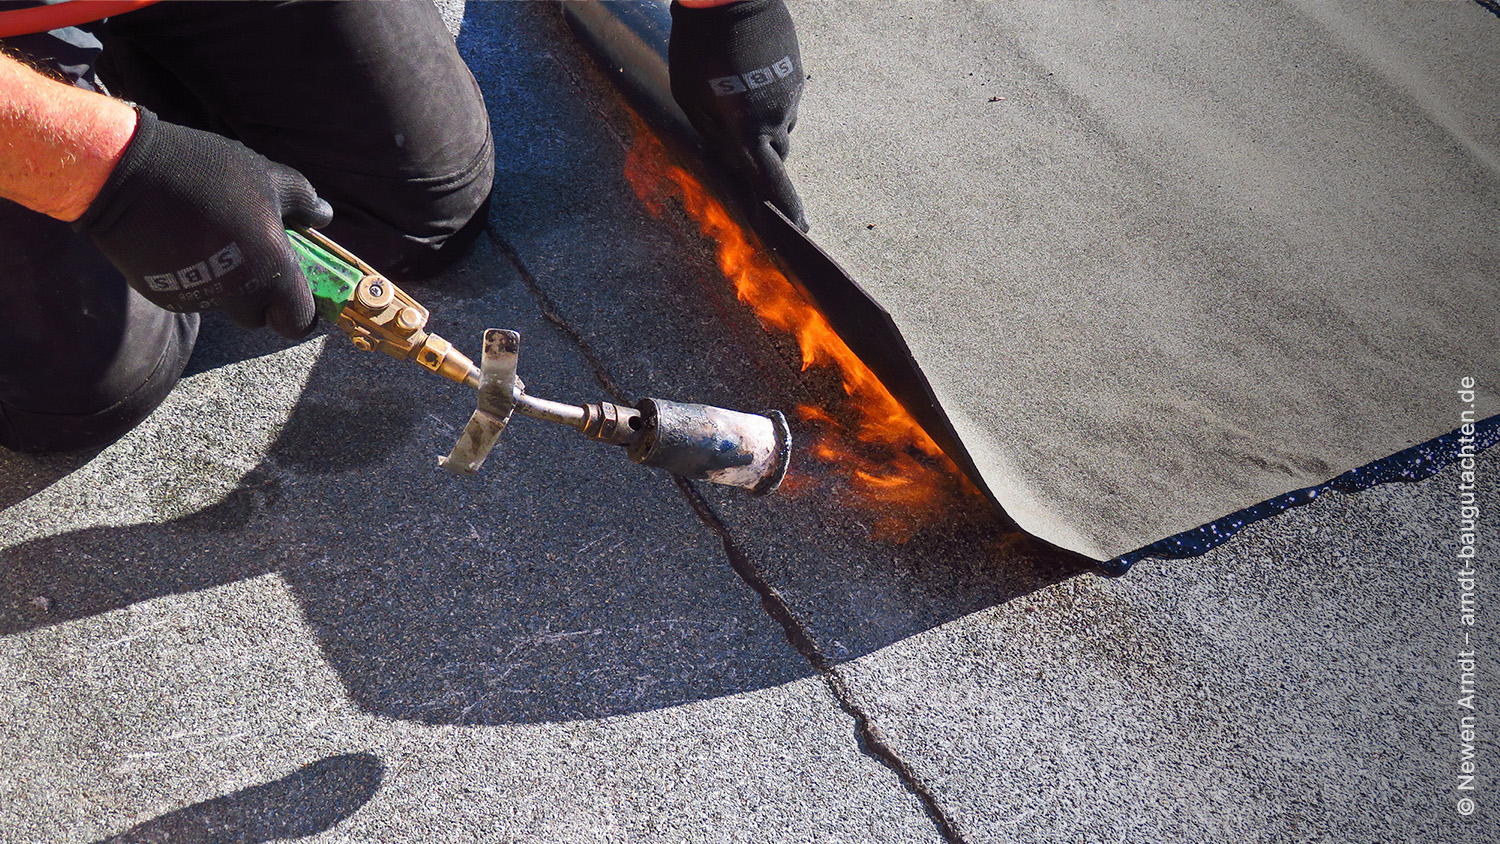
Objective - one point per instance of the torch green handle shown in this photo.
(331, 276)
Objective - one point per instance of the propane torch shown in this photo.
(694, 441)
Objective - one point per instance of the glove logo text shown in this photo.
(725, 86)
(217, 265)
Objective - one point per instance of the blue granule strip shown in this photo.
(1414, 464)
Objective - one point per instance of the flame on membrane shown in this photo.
(888, 460)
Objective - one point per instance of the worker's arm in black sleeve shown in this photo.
(737, 74)
(192, 220)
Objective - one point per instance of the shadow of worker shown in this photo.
(310, 800)
(562, 583)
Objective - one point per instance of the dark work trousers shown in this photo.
(369, 100)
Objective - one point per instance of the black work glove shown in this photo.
(737, 74)
(194, 221)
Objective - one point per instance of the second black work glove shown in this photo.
(195, 222)
(737, 74)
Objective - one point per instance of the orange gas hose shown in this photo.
(59, 15)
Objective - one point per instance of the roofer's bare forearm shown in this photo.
(58, 143)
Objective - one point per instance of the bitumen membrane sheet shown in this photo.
(267, 615)
(1162, 261)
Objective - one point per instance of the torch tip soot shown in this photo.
(701, 442)
(782, 456)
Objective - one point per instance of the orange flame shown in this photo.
(900, 471)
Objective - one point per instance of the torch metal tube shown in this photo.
(550, 411)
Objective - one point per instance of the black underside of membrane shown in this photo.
(1409, 466)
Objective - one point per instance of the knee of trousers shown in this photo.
(92, 414)
(84, 358)
(387, 122)
(410, 228)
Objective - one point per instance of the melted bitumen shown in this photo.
(1413, 464)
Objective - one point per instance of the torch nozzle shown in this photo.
(694, 441)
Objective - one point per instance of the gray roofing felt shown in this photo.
(1163, 261)
(267, 615)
